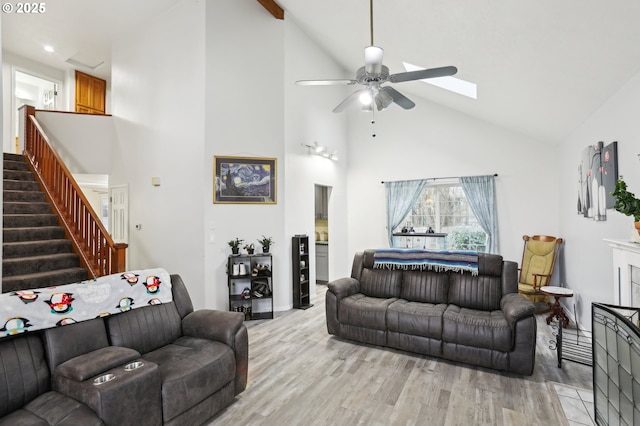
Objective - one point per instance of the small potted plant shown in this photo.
(235, 245)
(626, 202)
(249, 248)
(266, 243)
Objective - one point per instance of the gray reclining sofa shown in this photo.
(168, 364)
(475, 319)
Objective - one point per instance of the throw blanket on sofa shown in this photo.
(29, 310)
(436, 260)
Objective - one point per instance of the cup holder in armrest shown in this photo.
(133, 366)
(103, 379)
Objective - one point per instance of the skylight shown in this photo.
(452, 84)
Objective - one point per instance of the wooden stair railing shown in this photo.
(99, 255)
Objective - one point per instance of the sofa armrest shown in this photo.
(516, 307)
(96, 362)
(220, 326)
(225, 327)
(344, 287)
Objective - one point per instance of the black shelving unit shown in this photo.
(300, 262)
(250, 282)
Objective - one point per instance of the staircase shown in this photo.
(35, 251)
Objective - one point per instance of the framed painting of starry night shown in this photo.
(244, 180)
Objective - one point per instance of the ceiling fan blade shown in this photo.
(422, 74)
(373, 59)
(336, 82)
(398, 97)
(352, 97)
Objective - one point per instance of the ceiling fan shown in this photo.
(373, 74)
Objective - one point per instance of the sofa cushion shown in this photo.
(53, 408)
(72, 340)
(23, 371)
(482, 329)
(425, 286)
(191, 369)
(490, 264)
(364, 311)
(380, 283)
(145, 329)
(416, 318)
(479, 292)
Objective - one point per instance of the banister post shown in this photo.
(25, 132)
(119, 259)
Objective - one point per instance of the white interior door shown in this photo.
(119, 217)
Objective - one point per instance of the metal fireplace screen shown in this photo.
(616, 364)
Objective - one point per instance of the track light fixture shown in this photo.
(321, 150)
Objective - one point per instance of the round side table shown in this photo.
(556, 309)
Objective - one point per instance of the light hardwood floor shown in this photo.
(300, 375)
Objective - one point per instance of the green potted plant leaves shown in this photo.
(266, 243)
(626, 202)
(249, 248)
(235, 245)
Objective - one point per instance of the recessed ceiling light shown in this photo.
(452, 84)
(49, 49)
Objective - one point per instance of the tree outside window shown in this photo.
(444, 209)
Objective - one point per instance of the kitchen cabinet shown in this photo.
(322, 202)
(322, 263)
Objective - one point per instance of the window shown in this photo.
(443, 208)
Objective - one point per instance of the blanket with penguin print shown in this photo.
(40, 308)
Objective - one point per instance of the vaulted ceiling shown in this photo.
(541, 67)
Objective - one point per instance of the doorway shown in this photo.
(322, 234)
(37, 92)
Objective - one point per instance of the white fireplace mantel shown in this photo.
(626, 256)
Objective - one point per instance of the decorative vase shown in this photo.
(249, 251)
(265, 249)
(235, 250)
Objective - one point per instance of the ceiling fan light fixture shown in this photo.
(383, 100)
(365, 98)
(373, 59)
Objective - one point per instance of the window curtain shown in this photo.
(481, 195)
(401, 196)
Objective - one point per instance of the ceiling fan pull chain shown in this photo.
(373, 122)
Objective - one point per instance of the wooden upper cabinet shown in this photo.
(91, 93)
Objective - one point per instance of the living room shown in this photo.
(201, 79)
(177, 140)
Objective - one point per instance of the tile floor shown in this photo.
(576, 403)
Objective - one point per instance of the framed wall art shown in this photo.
(597, 176)
(244, 180)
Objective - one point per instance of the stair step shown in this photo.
(29, 220)
(35, 252)
(22, 175)
(43, 279)
(13, 207)
(32, 234)
(43, 263)
(31, 196)
(20, 185)
(35, 248)
(15, 165)
(12, 157)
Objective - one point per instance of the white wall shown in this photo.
(158, 108)
(244, 116)
(587, 259)
(309, 119)
(84, 142)
(433, 141)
